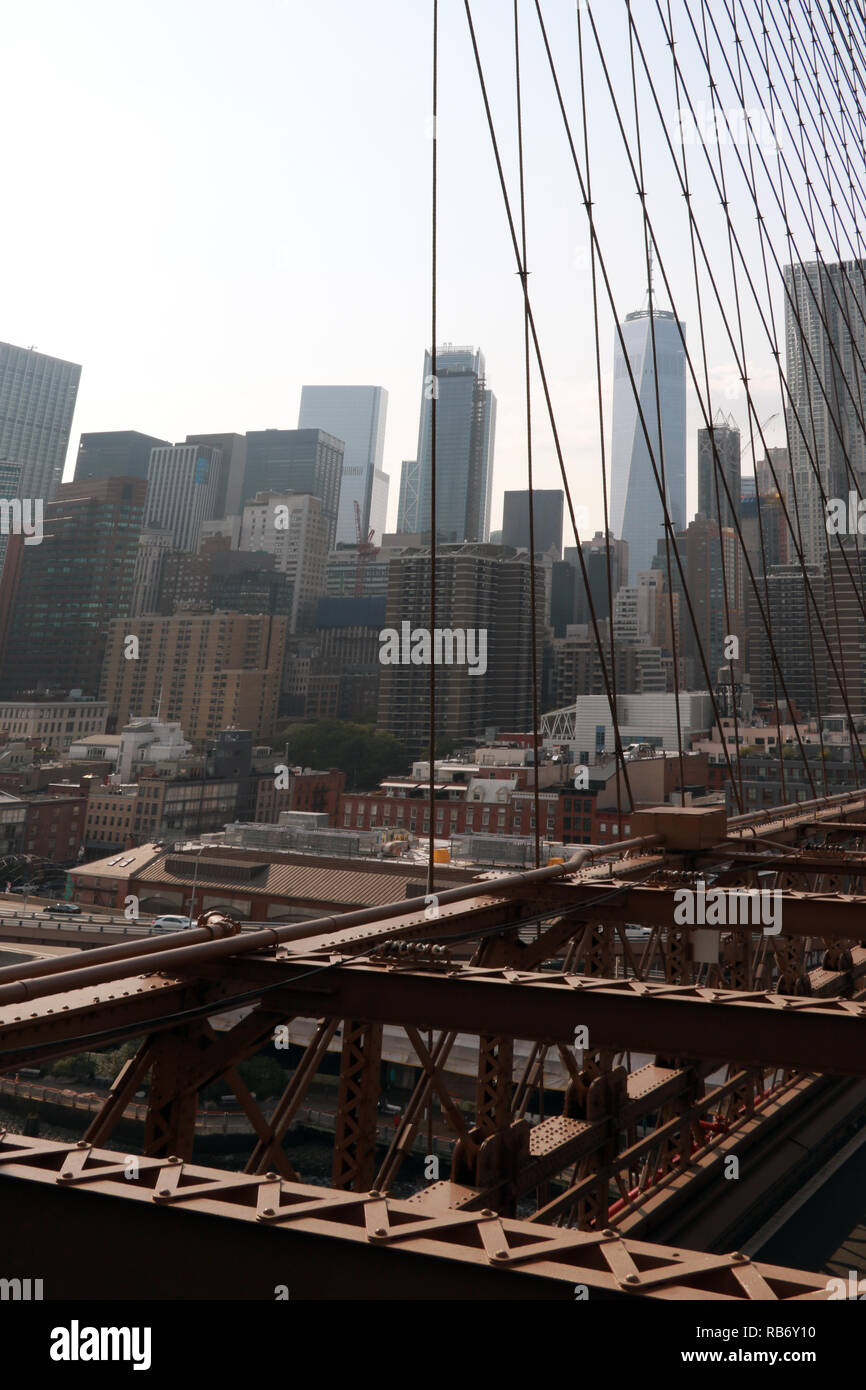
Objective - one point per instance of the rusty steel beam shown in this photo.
(102, 1015)
(748, 1028)
(831, 916)
(250, 1233)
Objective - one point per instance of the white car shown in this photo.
(171, 923)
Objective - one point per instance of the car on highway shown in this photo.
(61, 907)
(169, 922)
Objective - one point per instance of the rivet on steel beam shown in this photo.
(630, 1279)
(163, 1192)
(501, 1254)
(487, 1212)
(380, 1231)
(609, 1231)
(269, 1211)
(374, 1192)
(272, 1176)
(740, 1258)
(82, 1144)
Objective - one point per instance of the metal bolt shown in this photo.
(609, 1231)
(501, 1254)
(488, 1212)
(66, 1175)
(164, 1192)
(631, 1279)
(272, 1176)
(268, 1211)
(380, 1231)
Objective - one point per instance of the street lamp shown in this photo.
(201, 850)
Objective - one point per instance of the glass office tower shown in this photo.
(465, 433)
(636, 508)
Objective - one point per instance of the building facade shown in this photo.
(183, 486)
(204, 671)
(37, 403)
(307, 461)
(547, 506)
(72, 585)
(115, 454)
(653, 347)
(465, 438)
(355, 414)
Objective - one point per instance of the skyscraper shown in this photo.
(228, 500)
(355, 414)
(636, 508)
(479, 589)
(182, 487)
(825, 341)
(712, 498)
(547, 515)
(309, 461)
(292, 527)
(465, 434)
(72, 585)
(37, 402)
(115, 454)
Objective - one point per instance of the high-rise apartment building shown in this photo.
(355, 414)
(465, 436)
(800, 649)
(37, 403)
(115, 454)
(844, 573)
(712, 567)
(72, 585)
(309, 461)
(483, 602)
(719, 452)
(825, 341)
(204, 671)
(547, 506)
(183, 482)
(637, 515)
(291, 527)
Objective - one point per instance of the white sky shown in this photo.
(209, 204)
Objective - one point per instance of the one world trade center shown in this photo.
(636, 508)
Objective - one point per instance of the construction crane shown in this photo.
(761, 428)
(366, 550)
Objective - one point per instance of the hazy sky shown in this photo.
(209, 204)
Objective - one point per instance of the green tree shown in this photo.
(366, 754)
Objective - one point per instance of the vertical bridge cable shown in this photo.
(601, 436)
(523, 273)
(434, 384)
